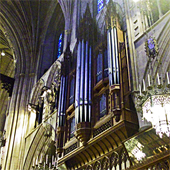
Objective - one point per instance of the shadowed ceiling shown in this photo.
(27, 29)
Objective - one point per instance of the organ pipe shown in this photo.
(83, 83)
(113, 56)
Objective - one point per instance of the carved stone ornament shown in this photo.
(151, 47)
(48, 96)
(83, 132)
(48, 129)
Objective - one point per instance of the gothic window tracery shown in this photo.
(89, 167)
(105, 164)
(97, 166)
(60, 45)
(107, 1)
(115, 161)
(101, 4)
(125, 163)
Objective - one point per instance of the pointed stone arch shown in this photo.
(105, 163)
(114, 161)
(37, 144)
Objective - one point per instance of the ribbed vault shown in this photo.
(27, 23)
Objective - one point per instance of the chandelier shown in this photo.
(154, 94)
(156, 109)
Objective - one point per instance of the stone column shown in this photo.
(159, 8)
(16, 126)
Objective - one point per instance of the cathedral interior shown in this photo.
(85, 84)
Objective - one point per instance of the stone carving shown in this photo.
(49, 97)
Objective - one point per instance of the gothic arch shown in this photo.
(36, 91)
(105, 163)
(97, 165)
(38, 143)
(114, 161)
(54, 75)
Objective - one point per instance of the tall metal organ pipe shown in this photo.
(83, 83)
(113, 56)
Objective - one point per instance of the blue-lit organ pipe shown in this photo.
(62, 101)
(86, 84)
(116, 54)
(90, 65)
(77, 91)
(109, 58)
(59, 103)
(113, 56)
(83, 83)
(113, 45)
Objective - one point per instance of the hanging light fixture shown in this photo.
(155, 98)
(2, 53)
(156, 109)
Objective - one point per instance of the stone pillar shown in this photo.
(66, 8)
(159, 8)
(16, 126)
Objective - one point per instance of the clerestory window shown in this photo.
(101, 4)
(60, 45)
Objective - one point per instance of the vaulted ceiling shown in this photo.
(26, 24)
(25, 27)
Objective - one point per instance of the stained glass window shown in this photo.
(100, 5)
(102, 105)
(99, 67)
(60, 45)
(107, 1)
(71, 99)
(151, 44)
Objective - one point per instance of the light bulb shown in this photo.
(3, 53)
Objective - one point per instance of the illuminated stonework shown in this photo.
(135, 149)
(138, 153)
